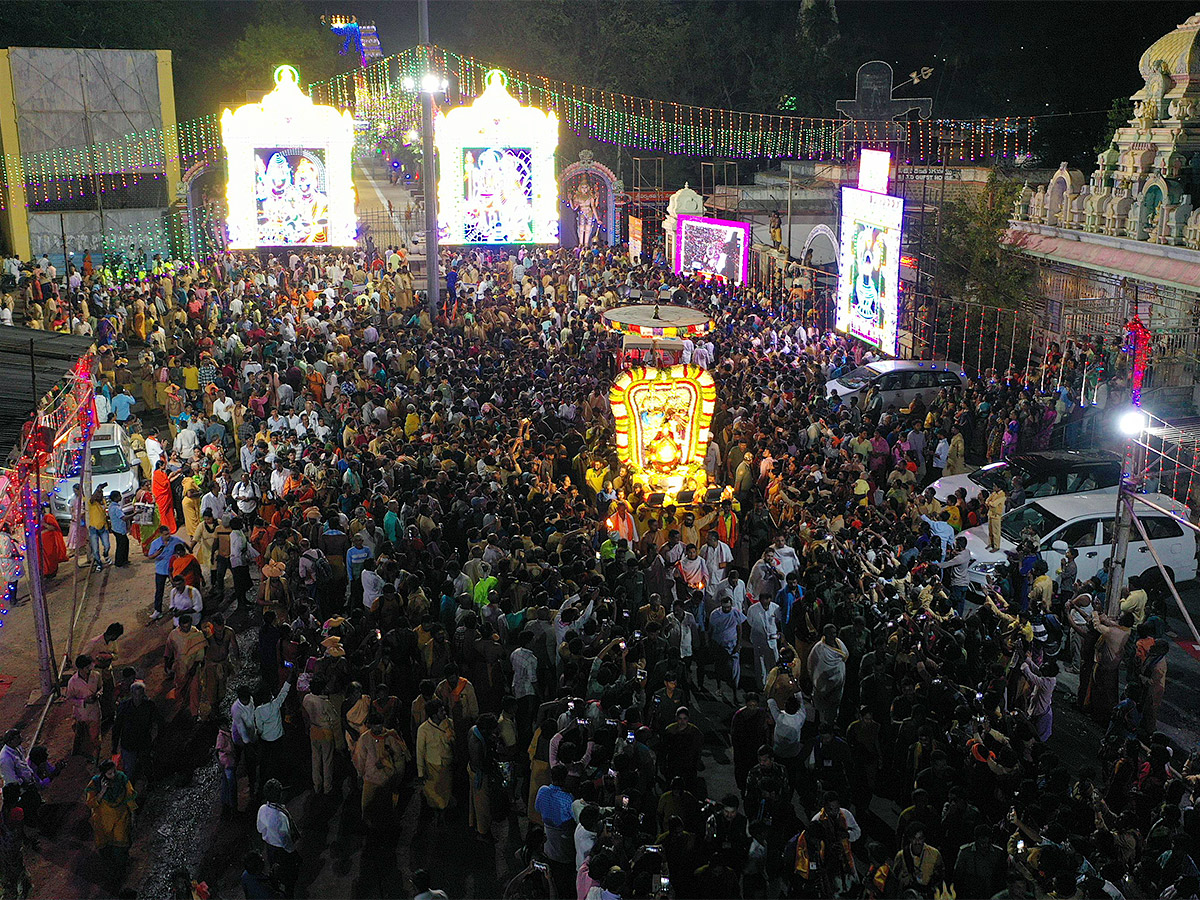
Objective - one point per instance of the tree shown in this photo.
(973, 262)
(281, 31)
(1119, 115)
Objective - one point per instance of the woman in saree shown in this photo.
(112, 801)
(146, 518)
(52, 546)
(192, 492)
(160, 486)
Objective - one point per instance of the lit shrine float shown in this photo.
(663, 408)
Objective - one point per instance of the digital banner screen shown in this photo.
(869, 270)
(717, 247)
(496, 183)
(497, 196)
(288, 176)
(291, 199)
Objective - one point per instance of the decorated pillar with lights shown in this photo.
(1137, 345)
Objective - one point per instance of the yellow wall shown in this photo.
(166, 98)
(15, 213)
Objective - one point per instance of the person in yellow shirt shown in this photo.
(596, 476)
(995, 507)
(412, 421)
(98, 527)
(1133, 601)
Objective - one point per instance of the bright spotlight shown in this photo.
(430, 83)
(1132, 422)
(411, 135)
(408, 84)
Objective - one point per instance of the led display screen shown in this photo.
(497, 196)
(289, 181)
(291, 198)
(869, 270)
(717, 247)
(496, 183)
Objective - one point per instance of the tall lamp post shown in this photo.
(1132, 424)
(429, 85)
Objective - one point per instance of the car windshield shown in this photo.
(1032, 518)
(108, 461)
(859, 378)
(1000, 476)
(991, 477)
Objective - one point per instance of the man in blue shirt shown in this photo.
(118, 524)
(123, 404)
(161, 549)
(553, 803)
(356, 556)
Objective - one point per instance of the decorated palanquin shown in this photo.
(663, 419)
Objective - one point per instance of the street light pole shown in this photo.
(428, 175)
(1133, 425)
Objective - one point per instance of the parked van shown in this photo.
(113, 465)
(899, 380)
(1086, 521)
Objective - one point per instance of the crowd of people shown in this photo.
(446, 581)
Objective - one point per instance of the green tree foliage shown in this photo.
(281, 31)
(973, 262)
(1119, 115)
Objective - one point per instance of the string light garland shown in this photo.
(668, 127)
(69, 406)
(376, 96)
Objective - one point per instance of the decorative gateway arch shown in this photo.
(587, 193)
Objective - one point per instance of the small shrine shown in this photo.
(684, 202)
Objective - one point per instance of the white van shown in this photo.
(113, 465)
(1086, 521)
(898, 380)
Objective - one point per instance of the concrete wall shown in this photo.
(63, 99)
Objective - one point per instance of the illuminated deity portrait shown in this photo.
(663, 417)
(496, 182)
(288, 170)
(869, 260)
(312, 206)
(497, 191)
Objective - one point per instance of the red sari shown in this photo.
(160, 484)
(52, 546)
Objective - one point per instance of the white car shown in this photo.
(113, 465)
(898, 380)
(1086, 522)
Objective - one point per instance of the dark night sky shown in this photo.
(1071, 56)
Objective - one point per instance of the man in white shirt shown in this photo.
(279, 834)
(717, 557)
(14, 767)
(784, 558)
(154, 450)
(693, 569)
(185, 600)
(763, 619)
(246, 496)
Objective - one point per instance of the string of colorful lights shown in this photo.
(1137, 344)
(675, 128)
(68, 409)
(375, 95)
